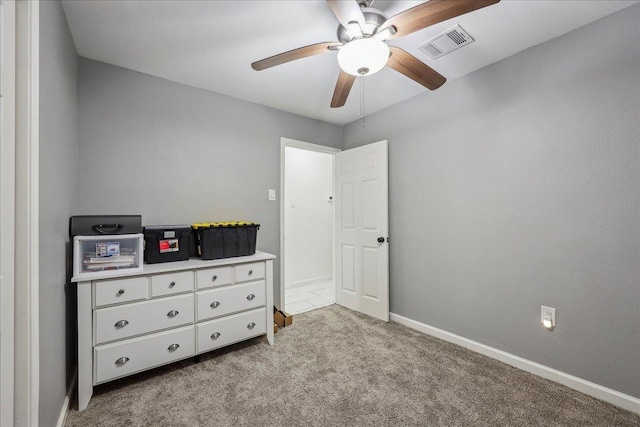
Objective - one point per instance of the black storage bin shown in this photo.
(166, 243)
(208, 241)
(89, 225)
(230, 238)
(247, 236)
(218, 240)
(193, 244)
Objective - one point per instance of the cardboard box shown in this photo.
(278, 318)
(275, 328)
(282, 318)
(288, 318)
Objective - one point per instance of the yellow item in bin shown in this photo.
(199, 225)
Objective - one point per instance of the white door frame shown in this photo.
(7, 207)
(286, 142)
(27, 349)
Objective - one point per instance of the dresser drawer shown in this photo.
(137, 354)
(172, 283)
(231, 299)
(253, 271)
(210, 277)
(116, 291)
(124, 321)
(231, 329)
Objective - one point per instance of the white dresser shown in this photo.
(131, 322)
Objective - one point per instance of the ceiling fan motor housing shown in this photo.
(373, 19)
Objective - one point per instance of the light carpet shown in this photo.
(334, 367)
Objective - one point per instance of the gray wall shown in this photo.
(518, 186)
(58, 201)
(178, 155)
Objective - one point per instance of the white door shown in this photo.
(362, 224)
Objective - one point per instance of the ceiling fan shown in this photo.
(362, 33)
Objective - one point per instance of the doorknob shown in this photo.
(380, 239)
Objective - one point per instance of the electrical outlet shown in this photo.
(272, 194)
(548, 317)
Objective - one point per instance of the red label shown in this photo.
(169, 245)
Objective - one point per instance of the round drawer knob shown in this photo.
(250, 297)
(120, 292)
(214, 278)
(121, 324)
(215, 304)
(250, 272)
(215, 335)
(251, 325)
(173, 347)
(172, 284)
(122, 361)
(172, 314)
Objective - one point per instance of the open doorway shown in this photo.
(307, 226)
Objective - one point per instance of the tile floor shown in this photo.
(303, 298)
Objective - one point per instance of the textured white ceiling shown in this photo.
(211, 44)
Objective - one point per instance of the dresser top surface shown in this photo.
(191, 264)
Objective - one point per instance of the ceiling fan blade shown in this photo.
(343, 87)
(347, 11)
(407, 64)
(292, 55)
(430, 13)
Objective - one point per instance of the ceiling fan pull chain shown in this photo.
(362, 99)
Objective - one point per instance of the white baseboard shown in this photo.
(67, 401)
(308, 282)
(622, 400)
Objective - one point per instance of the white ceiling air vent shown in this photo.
(447, 42)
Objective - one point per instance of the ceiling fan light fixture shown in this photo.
(363, 57)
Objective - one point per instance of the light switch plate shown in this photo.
(550, 314)
(272, 194)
